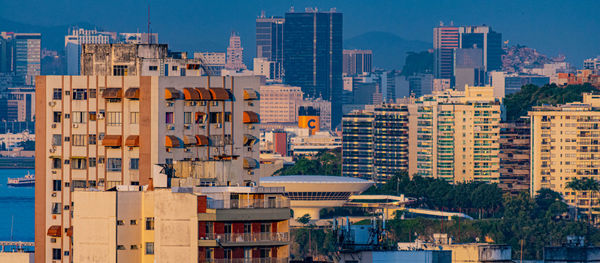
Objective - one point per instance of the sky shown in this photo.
(552, 27)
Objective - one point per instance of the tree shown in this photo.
(588, 185)
(418, 62)
(305, 219)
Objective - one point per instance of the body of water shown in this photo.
(17, 203)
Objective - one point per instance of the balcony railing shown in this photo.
(249, 203)
(244, 260)
(248, 237)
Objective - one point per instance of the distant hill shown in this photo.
(389, 50)
(53, 37)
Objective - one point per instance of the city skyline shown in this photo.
(410, 20)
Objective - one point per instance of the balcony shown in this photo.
(245, 260)
(236, 238)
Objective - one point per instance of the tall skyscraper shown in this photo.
(20, 54)
(488, 40)
(357, 62)
(235, 53)
(312, 56)
(445, 41)
(269, 38)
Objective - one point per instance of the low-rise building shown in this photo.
(200, 224)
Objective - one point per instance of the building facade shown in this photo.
(445, 41)
(357, 62)
(269, 38)
(564, 143)
(280, 103)
(73, 43)
(205, 224)
(20, 55)
(235, 53)
(103, 131)
(514, 157)
(312, 56)
(458, 135)
(488, 40)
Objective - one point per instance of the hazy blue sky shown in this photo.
(552, 26)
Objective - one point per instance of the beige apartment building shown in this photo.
(104, 131)
(564, 146)
(457, 135)
(199, 224)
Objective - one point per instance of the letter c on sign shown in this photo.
(311, 124)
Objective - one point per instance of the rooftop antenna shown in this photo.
(148, 32)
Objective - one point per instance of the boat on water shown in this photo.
(25, 181)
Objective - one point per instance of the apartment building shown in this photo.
(375, 142)
(564, 146)
(200, 224)
(457, 135)
(104, 131)
(514, 157)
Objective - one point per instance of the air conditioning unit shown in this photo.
(219, 125)
(100, 117)
(53, 194)
(53, 125)
(52, 150)
(193, 103)
(170, 127)
(75, 125)
(52, 103)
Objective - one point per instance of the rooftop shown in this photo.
(313, 179)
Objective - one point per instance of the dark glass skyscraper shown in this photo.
(312, 56)
(269, 38)
(487, 39)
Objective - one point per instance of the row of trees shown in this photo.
(325, 163)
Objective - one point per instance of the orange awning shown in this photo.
(250, 163)
(204, 94)
(132, 93)
(112, 140)
(251, 117)
(220, 94)
(55, 231)
(189, 140)
(172, 94)
(191, 94)
(200, 117)
(132, 141)
(250, 94)
(172, 141)
(112, 93)
(70, 231)
(201, 140)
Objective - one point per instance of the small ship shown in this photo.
(25, 181)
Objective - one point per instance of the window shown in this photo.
(57, 116)
(227, 253)
(113, 164)
(247, 228)
(134, 164)
(187, 117)
(227, 228)
(120, 70)
(92, 139)
(79, 94)
(79, 183)
(56, 254)
(78, 140)
(56, 163)
(79, 117)
(57, 94)
(56, 140)
(133, 222)
(134, 247)
(78, 164)
(92, 161)
(120, 247)
(113, 118)
(120, 222)
(67, 115)
(208, 253)
(215, 117)
(134, 117)
(92, 93)
(174, 68)
(149, 248)
(56, 185)
(265, 227)
(149, 223)
(208, 228)
(92, 116)
(169, 119)
(227, 116)
(153, 68)
(56, 208)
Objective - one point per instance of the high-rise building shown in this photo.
(269, 38)
(445, 41)
(514, 157)
(420, 84)
(506, 84)
(73, 43)
(20, 55)
(312, 56)
(488, 40)
(468, 68)
(375, 142)
(564, 147)
(184, 224)
(458, 135)
(280, 103)
(214, 61)
(104, 131)
(18, 104)
(269, 69)
(235, 53)
(357, 62)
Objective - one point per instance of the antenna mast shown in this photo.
(148, 32)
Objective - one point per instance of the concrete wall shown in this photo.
(16, 257)
(176, 227)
